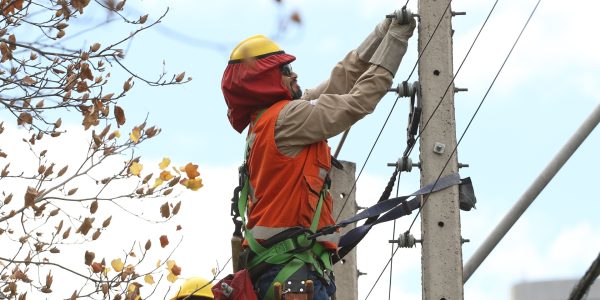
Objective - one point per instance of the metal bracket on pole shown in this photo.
(405, 240)
(402, 15)
(404, 164)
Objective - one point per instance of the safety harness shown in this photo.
(292, 249)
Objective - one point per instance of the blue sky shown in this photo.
(547, 88)
(543, 94)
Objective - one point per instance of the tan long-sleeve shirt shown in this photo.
(351, 92)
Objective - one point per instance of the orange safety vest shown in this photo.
(284, 191)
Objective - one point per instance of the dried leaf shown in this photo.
(96, 235)
(143, 19)
(94, 207)
(120, 5)
(66, 233)
(71, 191)
(106, 222)
(148, 245)
(60, 34)
(85, 226)
(24, 118)
(89, 257)
(62, 171)
(95, 47)
(164, 241)
(127, 85)
(30, 196)
(8, 199)
(295, 17)
(54, 250)
(165, 210)
(119, 115)
(97, 267)
(176, 208)
(180, 77)
(191, 170)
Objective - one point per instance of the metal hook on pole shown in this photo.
(403, 15)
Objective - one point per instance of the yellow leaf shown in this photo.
(164, 163)
(135, 135)
(166, 175)
(117, 264)
(170, 264)
(171, 278)
(136, 168)
(192, 184)
(158, 263)
(157, 182)
(149, 279)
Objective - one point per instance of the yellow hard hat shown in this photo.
(254, 46)
(196, 286)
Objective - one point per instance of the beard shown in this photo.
(296, 94)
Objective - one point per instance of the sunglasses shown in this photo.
(286, 70)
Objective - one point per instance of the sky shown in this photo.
(545, 91)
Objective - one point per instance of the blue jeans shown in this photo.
(322, 291)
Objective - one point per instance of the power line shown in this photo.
(480, 104)
(367, 159)
(381, 274)
(390, 113)
(457, 71)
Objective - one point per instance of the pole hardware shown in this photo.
(405, 240)
(456, 90)
(404, 89)
(463, 240)
(439, 148)
(459, 13)
(359, 273)
(402, 15)
(461, 165)
(404, 164)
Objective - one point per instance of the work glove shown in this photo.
(366, 49)
(393, 46)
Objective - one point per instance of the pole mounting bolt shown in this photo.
(439, 148)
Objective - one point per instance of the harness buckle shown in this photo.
(302, 242)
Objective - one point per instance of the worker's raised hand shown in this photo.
(366, 49)
(393, 46)
(402, 31)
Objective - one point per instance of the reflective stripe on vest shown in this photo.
(264, 233)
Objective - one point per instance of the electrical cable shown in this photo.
(472, 118)
(456, 74)
(381, 274)
(367, 159)
(428, 41)
(391, 111)
(393, 237)
(480, 104)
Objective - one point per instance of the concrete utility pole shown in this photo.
(346, 273)
(441, 253)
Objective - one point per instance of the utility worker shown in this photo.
(195, 288)
(288, 157)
